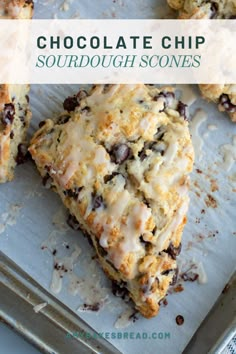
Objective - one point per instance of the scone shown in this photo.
(203, 9)
(16, 9)
(14, 103)
(223, 95)
(119, 158)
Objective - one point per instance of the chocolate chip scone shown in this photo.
(204, 9)
(119, 158)
(223, 95)
(14, 103)
(16, 9)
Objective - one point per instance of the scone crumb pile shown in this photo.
(119, 157)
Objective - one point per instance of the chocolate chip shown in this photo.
(95, 307)
(168, 98)
(175, 276)
(81, 95)
(214, 8)
(54, 252)
(73, 222)
(133, 317)
(97, 201)
(142, 240)
(29, 2)
(160, 133)
(226, 103)
(70, 103)
(173, 251)
(12, 135)
(8, 113)
(168, 95)
(154, 146)
(181, 108)
(179, 320)
(189, 276)
(73, 193)
(22, 154)
(119, 289)
(163, 302)
(63, 119)
(57, 266)
(147, 146)
(27, 98)
(120, 153)
(42, 123)
(108, 178)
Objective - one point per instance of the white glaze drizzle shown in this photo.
(124, 320)
(188, 96)
(229, 154)
(176, 221)
(195, 125)
(68, 263)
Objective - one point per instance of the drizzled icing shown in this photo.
(176, 221)
(83, 153)
(195, 125)
(229, 154)
(131, 229)
(138, 194)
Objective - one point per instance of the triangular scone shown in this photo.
(15, 114)
(119, 159)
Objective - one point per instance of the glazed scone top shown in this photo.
(203, 9)
(124, 153)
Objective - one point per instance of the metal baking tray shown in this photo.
(49, 329)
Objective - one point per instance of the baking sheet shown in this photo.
(33, 221)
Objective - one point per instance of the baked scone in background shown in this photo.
(223, 95)
(14, 103)
(119, 158)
